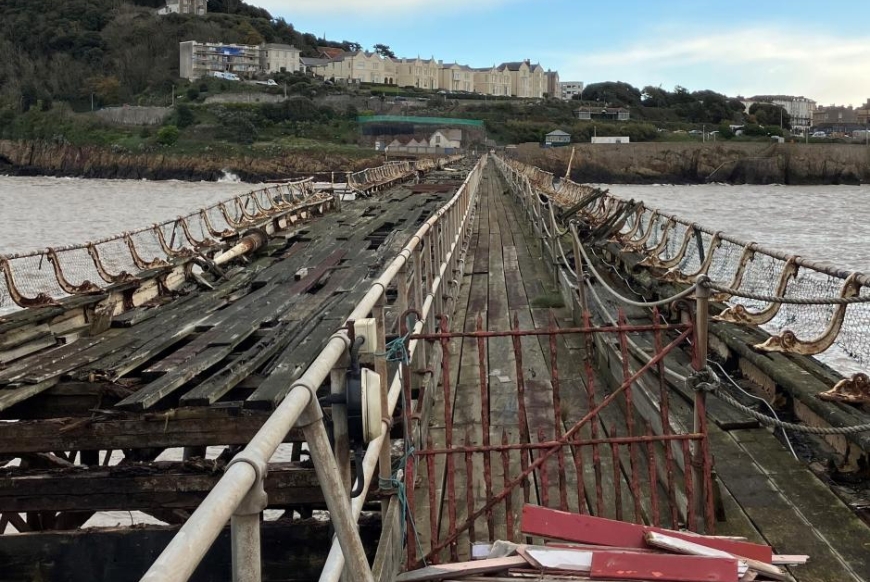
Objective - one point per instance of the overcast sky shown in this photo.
(739, 47)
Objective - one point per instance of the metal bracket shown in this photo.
(257, 499)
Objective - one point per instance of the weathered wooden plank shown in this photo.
(81, 556)
(175, 428)
(218, 384)
(389, 558)
(462, 569)
(166, 485)
(10, 396)
(630, 566)
(830, 518)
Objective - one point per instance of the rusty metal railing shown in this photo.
(578, 463)
(421, 274)
(42, 277)
(764, 286)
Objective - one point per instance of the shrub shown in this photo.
(167, 135)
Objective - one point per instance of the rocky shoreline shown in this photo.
(46, 159)
(636, 163)
(697, 163)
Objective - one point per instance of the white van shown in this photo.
(225, 76)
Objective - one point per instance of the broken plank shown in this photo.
(462, 569)
(554, 524)
(13, 395)
(628, 566)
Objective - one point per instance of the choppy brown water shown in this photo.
(37, 212)
(825, 223)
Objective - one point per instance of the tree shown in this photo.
(384, 51)
(184, 116)
(770, 114)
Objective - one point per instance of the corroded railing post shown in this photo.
(699, 425)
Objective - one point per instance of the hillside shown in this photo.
(119, 51)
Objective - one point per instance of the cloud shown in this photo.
(375, 8)
(749, 61)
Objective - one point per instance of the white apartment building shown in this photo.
(199, 59)
(568, 89)
(799, 109)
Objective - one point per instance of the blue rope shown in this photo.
(397, 350)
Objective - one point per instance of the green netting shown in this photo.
(419, 120)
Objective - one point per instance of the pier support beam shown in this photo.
(336, 495)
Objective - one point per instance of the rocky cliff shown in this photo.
(34, 158)
(738, 163)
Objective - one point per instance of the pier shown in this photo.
(509, 372)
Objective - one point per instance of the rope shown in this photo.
(397, 350)
(396, 482)
(787, 300)
(684, 293)
(707, 381)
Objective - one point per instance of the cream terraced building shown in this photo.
(519, 79)
(421, 73)
(456, 77)
(493, 81)
(360, 67)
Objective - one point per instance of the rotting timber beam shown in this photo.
(147, 486)
(82, 556)
(191, 427)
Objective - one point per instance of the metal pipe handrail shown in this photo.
(334, 565)
(189, 545)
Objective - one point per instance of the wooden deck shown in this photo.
(763, 493)
(88, 415)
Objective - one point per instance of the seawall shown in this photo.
(693, 163)
(43, 158)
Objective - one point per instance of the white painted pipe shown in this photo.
(186, 550)
(184, 553)
(334, 565)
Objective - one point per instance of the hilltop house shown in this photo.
(197, 7)
(557, 138)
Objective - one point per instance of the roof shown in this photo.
(513, 66)
(330, 52)
(451, 134)
(312, 62)
(558, 132)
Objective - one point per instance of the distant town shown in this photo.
(520, 79)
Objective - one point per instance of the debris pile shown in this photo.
(583, 547)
